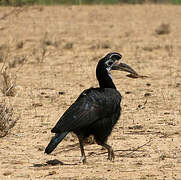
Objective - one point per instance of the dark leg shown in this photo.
(83, 157)
(109, 148)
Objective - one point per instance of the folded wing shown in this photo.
(90, 106)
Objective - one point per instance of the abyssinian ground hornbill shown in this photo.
(96, 110)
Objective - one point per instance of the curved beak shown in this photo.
(124, 67)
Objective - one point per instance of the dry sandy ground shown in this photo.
(63, 46)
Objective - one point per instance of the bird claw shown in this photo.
(83, 159)
(111, 155)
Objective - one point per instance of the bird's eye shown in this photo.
(109, 63)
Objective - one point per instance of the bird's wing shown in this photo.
(89, 107)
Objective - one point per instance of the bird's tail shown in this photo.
(55, 141)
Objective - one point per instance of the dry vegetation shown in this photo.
(48, 56)
(7, 121)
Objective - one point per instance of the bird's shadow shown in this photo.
(53, 162)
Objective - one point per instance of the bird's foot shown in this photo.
(111, 155)
(83, 159)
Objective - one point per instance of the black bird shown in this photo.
(96, 110)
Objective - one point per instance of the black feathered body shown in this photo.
(95, 112)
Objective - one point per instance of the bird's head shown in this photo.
(112, 62)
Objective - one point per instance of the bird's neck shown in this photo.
(104, 78)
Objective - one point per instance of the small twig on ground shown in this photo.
(132, 150)
(140, 106)
(136, 149)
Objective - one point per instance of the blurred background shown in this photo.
(54, 2)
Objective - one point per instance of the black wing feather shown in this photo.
(91, 105)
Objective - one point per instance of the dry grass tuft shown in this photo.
(41, 51)
(17, 60)
(151, 47)
(8, 83)
(19, 45)
(169, 49)
(163, 29)
(69, 45)
(44, 42)
(1, 57)
(101, 45)
(3, 49)
(7, 121)
(7, 80)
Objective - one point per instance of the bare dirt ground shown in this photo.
(63, 45)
